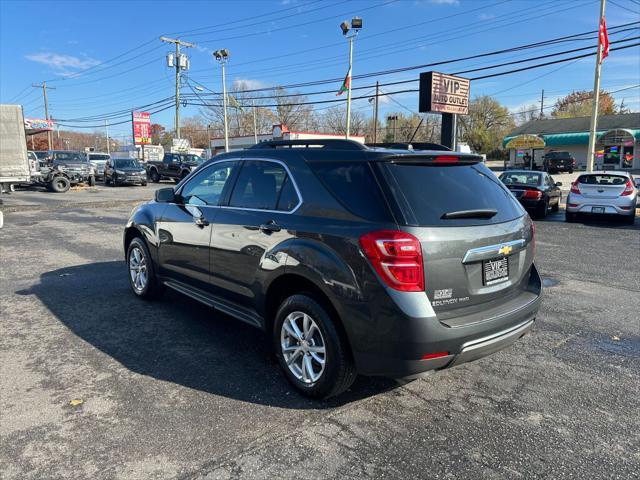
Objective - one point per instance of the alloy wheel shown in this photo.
(303, 347)
(138, 269)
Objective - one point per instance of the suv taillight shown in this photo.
(397, 257)
(574, 188)
(628, 188)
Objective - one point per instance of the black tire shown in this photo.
(630, 220)
(542, 209)
(59, 184)
(144, 184)
(571, 171)
(570, 217)
(154, 175)
(152, 288)
(339, 369)
(183, 174)
(92, 181)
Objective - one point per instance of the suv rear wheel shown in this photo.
(154, 175)
(312, 352)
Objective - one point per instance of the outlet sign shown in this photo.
(441, 93)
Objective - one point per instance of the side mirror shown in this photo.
(558, 184)
(165, 195)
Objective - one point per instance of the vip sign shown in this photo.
(442, 93)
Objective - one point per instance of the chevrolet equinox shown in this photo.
(354, 260)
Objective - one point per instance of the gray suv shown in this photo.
(352, 259)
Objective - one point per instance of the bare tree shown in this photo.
(527, 113)
(334, 120)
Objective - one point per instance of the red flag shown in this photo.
(603, 39)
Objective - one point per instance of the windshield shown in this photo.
(41, 155)
(126, 163)
(102, 158)
(521, 178)
(68, 157)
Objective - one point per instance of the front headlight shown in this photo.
(142, 172)
(120, 172)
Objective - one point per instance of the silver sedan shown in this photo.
(603, 193)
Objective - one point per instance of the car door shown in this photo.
(247, 229)
(184, 230)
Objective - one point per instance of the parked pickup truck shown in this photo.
(554, 162)
(174, 165)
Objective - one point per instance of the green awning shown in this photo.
(578, 138)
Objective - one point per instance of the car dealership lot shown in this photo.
(97, 383)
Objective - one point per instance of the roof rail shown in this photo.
(332, 144)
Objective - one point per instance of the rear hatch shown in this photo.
(476, 239)
(559, 161)
(601, 186)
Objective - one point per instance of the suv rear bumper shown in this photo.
(400, 354)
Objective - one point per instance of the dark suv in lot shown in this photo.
(352, 259)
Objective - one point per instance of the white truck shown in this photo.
(14, 162)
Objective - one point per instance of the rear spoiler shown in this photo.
(436, 158)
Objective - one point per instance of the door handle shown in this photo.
(270, 227)
(200, 221)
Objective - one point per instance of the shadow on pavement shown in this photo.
(175, 339)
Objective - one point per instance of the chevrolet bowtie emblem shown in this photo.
(505, 250)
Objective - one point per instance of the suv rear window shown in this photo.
(425, 192)
(354, 186)
(558, 155)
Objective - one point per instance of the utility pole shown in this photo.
(375, 114)
(180, 63)
(542, 104)
(44, 87)
(596, 97)
(106, 126)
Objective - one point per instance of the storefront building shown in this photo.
(617, 141)
(279, 132)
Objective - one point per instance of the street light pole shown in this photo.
(255, 124)
(222, 56)
(351, 37)
(356, 25)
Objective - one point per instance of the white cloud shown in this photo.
(486, 16)
(247, 84)
(445, 2)
(62, 62)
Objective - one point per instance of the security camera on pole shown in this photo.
(222, 56)
(356, 25)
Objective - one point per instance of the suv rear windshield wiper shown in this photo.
(480, 213)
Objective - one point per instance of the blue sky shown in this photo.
(80, 47)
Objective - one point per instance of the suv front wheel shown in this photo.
(313, 353)
(142, 277)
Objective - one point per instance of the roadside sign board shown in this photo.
(38, 124)
(441, 93)
(141, 128)
(525, 141)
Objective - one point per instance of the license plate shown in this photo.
(597, 209)
(495, 271)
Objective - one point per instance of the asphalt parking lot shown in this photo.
(99, 384)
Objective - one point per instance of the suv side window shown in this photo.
(261, 185)
(207, 187)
